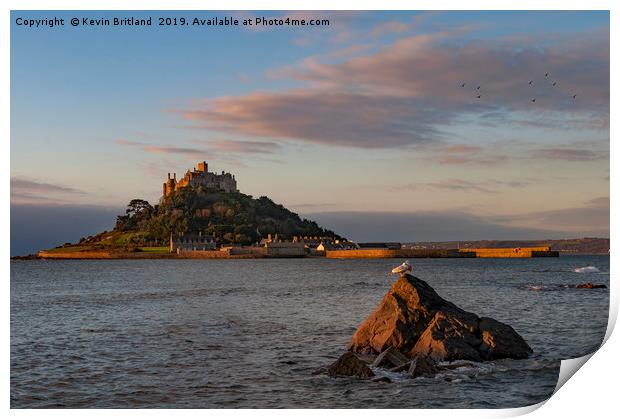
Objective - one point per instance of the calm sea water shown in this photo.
(248, 333)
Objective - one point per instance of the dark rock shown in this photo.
(451, 335)
(390, 358)
(26, 257)
(367, 358)
(381, 380)
(501, 341)
(349, 365)
(414, 320)
(422, 367)
(590, 285)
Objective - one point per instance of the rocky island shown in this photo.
(203, 215)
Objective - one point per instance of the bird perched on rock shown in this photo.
(402, 269)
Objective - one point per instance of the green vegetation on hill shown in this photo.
(232, 217)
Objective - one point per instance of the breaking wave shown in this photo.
(586, 269)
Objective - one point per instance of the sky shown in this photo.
(362, 125)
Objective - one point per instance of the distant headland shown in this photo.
(203, 215)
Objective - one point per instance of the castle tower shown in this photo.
(224, 181)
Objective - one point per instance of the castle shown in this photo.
(201, 177)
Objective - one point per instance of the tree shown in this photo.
(137, 213)
(138, 206)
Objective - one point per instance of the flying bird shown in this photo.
(531, 82)
(554, 83)
(402, 269)
(546, 74)
(534, 100)
(574, 96)
(478, 88)
(479, 96)
(463, 85)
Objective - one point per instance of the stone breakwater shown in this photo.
(262, 252)
(413, 328)
(525, 252)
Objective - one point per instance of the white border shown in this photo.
(590, 394)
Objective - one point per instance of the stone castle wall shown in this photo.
(201, 177)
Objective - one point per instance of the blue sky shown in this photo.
(365, 115)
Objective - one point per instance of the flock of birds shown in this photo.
(530, 83)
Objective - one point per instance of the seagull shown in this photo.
(478, 88)
(534, 100)
(554, 83)
(574, 96)
(402, 269)
(479, 96)
(531, 82)
(463, 85)
(546, 74)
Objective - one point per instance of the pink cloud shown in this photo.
(403, 94)
(366, 121)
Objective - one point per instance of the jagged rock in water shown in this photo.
(390, 358)
(400, 319)
(349, 365)
(452, 334)
(422, 367)
(413, 319)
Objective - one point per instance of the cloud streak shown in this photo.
(488, 186)
(568, 154)
(161, 149)
(25, 190)
(242, 147)
(30, 185)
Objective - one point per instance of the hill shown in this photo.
(231, 217)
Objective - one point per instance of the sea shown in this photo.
(250, 333)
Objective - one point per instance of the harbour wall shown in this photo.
(528, 252)
(261, 252)
(518, 252)
(396, 253)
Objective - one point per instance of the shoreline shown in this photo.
(500, 253)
